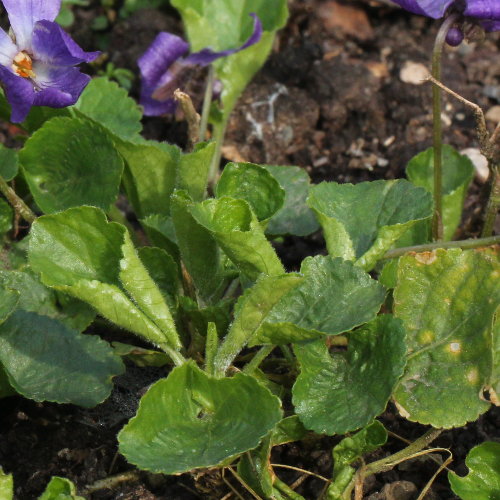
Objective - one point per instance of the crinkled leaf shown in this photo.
(191, 420)
(198, 248)
(458, 172)
(6, 486)
(80, 253)
(255, 185)
(150, 175)
(194, 169)
(483, 480)
(71, 162)
(107, 103)
(353, 447)
(137, 282)
(333, 297)
(8, 163)
(236, 229)
(295, 217)
(36, 297)
(340, 392)
(6, 216)
(60, 488)
(446, 300)
(227, 24)
(362, 221)
(47, 361)
(164, 271)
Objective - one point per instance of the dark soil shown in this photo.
(331, 100)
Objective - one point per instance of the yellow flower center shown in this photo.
(23, 65)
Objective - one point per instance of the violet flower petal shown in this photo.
(483, 9)
(206, 56)
(53, 46)
(161, 54)
(19, 92)
(58, 86)
(23, 14)
(8, 49)
(429, 8)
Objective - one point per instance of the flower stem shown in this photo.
(17, 203)
(391, 461)
(493, 201)
(428, 247)
(207, 102)
(437, 222)
(219, 133)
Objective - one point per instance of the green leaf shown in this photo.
(295, 217)
(194, 169)
(108, 104)
(6, 486)
(255, 185)
(199, 250)
(191, 420)
(458, 172)
(446, 300)
(362, 221)
(71, 162)
(288, 430)
(340, 392)
(141, 356)
(8, 301)
(494, 385)
(164, 271)
(255, 469)
(80, 253)
(150, 175)
(8, 163)
(60, 489)
(483, 480)
(251, 310)
(352, 448)
(333, 297)
(236, 229)
(225, 25)
(6, 389)
(36, 297)
(161, 232)
(47, 361)
(6, 216)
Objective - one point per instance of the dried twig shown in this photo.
(192, 117)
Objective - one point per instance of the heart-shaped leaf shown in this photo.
(483, 480)
(340, 392)
(70, 162)
(191, 420)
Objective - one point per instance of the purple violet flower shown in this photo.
(163, 64)
(37, 63)
(486, 13)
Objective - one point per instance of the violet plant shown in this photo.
(201, 288)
